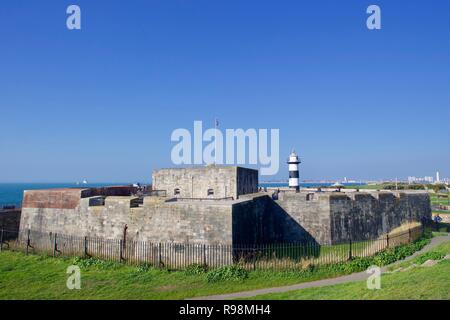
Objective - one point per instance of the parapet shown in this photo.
(69, 198)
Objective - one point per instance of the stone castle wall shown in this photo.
(364, 215)
(324, 218)
(156, 221)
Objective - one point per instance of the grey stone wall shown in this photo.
(250, 221)
(324, 218)
(157, 221)
(247, 181)
(367, 215)
(301, 217)
(225, 181)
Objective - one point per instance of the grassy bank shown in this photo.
(41, 277)
(416, 283)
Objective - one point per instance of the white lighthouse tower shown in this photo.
(293, 171)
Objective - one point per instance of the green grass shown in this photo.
(443, 249)
(417, 283)
(440, 200)
(41, 277)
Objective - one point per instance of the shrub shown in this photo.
(398, 253)
(195, 269)
(432, 255)
(358, 264)
(227, 273)
(143, 267)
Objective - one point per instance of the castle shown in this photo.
(220, 204)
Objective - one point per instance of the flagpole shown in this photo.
(215, 141)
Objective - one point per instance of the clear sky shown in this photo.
(102, 102)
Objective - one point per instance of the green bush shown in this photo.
(195, 269)
(143, 267)
(227, 273)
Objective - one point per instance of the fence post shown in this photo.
(124, 243)
(1, 240)
(387, 241)
(120, 250)
(204, 255)
(254, 258)
(85, 247)
(409, 235)
(54, 245)
(28, 241)
(350, 255)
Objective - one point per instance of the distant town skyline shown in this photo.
(101, 103)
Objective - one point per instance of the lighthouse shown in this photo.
(293, 171)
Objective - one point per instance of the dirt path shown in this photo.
(320, 283)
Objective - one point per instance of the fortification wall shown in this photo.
(246, 181)
(256, 218)
(367, 215)
(301, 217)
(328, 218)
(250, 221)
(225, 181)
(155, 221)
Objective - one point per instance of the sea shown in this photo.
(11, 194)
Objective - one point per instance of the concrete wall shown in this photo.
(256, 218)
(10, 219)
(247, 181)
(301, 217)
(156, 221)
(225, 181)
(365, 215)
(195, 182)
(250, 221)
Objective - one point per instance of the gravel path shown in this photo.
(320, 283)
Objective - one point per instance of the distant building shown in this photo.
(426, 179)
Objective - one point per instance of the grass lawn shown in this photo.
(440, 199)
(41, 277)
(417, 283)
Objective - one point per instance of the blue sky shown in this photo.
(101, 103)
